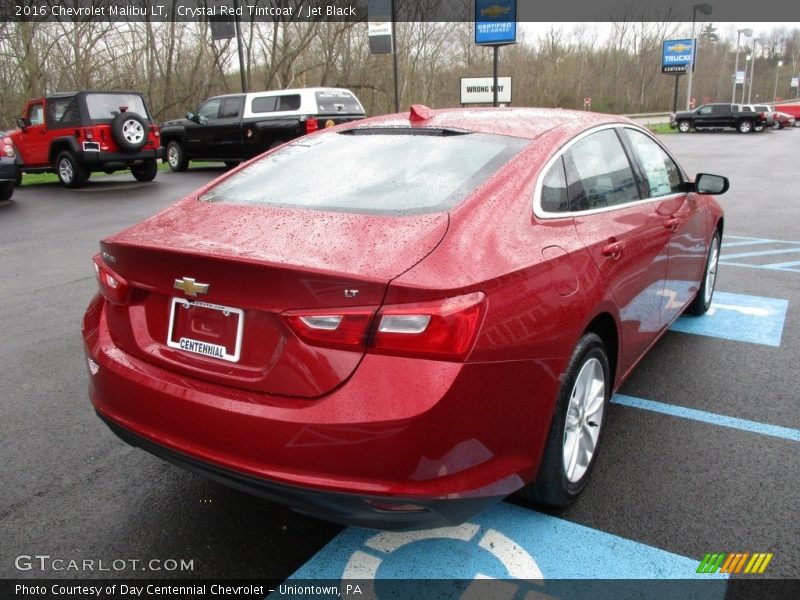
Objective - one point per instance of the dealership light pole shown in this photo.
(706, 10)
(747, 60)
(775, 89)
(739, 32)
(752, 69)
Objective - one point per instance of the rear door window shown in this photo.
(598, 173)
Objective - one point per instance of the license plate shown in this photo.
(207, 329)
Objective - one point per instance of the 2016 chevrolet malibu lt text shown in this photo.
(399, 321)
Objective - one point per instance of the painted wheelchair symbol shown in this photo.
(434, 554)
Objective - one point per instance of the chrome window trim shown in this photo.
(540, 213)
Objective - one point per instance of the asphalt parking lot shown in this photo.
(701, 454)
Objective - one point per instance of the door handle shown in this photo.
(613, 250)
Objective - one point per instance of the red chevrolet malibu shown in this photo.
(397, 322)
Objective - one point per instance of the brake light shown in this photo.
(113, 287)
(443, 329)
(8, 147)
(343, 328)
(312, 125)
(88, 134)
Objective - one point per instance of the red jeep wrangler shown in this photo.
(76, 133)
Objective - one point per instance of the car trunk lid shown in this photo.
(257, 263)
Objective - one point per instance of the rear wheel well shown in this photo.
(57, 149)
(604, 326)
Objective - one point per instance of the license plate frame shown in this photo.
(201, 347)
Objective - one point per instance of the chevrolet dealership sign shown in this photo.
(676, 56)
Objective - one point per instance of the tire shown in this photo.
(71, 172)
(684, 126)
(146, 171)
(586, 385)
(176, 156)
(6, 190)
(18, 178)
(777, 125)
(702, 302)
(745, 126)
(758, 128)
(129, 131)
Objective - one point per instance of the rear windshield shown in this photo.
(385, 173)
(107, 106)
(337, 102)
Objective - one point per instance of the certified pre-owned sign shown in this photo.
(676, 56)
(480, 90)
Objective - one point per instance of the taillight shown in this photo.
(443, 329)
(343, 328)
(113, 287)
(312, 125)
(8, 147)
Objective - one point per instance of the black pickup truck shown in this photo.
(719, 116)
(236, 127)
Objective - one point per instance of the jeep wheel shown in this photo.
(145, 171)
(684, 126)
(129, 131)
(176, 156)
(71, 173)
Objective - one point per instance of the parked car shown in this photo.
(781, 120)
(403, 337)
(8, 168)
(76, 133)
(719, 116)
(237, 127)
(793, 110)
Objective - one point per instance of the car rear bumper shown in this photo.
(8, 169)
(102, 157)
(448, 438)
(348, 509)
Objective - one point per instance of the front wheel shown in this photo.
(745, 126)
(176, 156)
(145, 171)
(702, 302)
(71, 172)
(684, 126)
(576, 427)
(777, 125)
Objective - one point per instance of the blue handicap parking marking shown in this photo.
(684, 412)
(739, 317)
(760, 253)
(506, 542)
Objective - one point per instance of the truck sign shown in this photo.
(676, 56)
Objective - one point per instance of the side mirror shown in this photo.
(23, 123)
(191, 116)
(706, 183)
